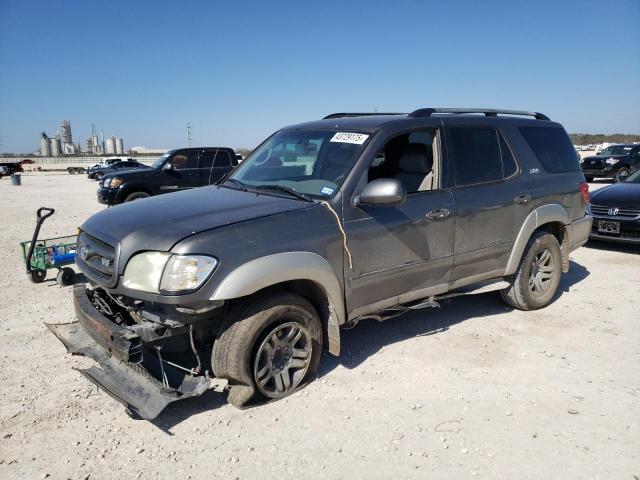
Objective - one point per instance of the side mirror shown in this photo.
(383, 192)
(167, 167)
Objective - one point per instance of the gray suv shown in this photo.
(240, 286)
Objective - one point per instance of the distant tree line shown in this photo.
(595, 138)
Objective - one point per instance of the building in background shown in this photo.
(62, 144)
(45, 146)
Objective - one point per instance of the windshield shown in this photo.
(158, 163)
(635, 178)
(616, 150)
(313, 163)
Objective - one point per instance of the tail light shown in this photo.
(584, 190)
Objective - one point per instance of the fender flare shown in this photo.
(553, 212)
(270, 270)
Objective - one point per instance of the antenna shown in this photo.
(189, 134)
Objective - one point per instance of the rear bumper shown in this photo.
(579, 231)
(125, 370)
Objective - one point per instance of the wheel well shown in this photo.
(131, 190)
(310, 291)
(559, 231)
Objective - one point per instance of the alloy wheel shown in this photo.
(282, 360)
(541, 275)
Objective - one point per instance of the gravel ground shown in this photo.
(472, 390)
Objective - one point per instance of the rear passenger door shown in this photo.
(492, 199)
(214, 164)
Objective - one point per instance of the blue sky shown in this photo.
(239, 70)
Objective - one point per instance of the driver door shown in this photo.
(184, 172)
(403, 252)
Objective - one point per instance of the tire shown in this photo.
(38, 275)
(253, 353)
(136, 196)
(531, 292)
(65, 276)
(79, 170)
(71, 171)
(622, 174)
(589, 179)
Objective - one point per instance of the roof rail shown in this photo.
(370, 114)
(489, 112)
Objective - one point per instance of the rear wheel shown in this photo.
(268, 348)
(536, 281)
(622, 174)
(136, 196)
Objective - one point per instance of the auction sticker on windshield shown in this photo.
(346, 137)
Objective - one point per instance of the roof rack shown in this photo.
(370, 114)
(489, 112)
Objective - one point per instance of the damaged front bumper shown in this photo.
(128, 369)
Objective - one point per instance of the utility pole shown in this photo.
(189, 134)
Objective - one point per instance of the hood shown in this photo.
(618, 195)
(158, 223)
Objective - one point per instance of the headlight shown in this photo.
(186, 272)
(155, 271)
(144, 271)
(105, 182)
(612, 161)
(115, 182)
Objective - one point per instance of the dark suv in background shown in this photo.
(615, 161)
(178, 169)
(241, 285)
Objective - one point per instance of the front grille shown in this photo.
(615, 211)
(96, 255)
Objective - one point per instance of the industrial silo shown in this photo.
(110, 146)
(119, 146)
(45, 146)
(56, 147)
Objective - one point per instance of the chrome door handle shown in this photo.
(438, 214)
(522, 199)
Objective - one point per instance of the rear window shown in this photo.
(552, 147)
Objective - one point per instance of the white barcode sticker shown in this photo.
(347, 137)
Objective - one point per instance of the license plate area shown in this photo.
(608, 227)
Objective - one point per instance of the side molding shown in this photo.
(541, 215)
(281, 267)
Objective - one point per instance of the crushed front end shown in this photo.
(144, 364)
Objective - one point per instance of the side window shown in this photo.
(206, 159)
(552, 147)
(222, 159)
(183, 160)
(411, 158)
(476, 155)
(509, 165)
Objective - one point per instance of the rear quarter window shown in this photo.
(552, 147)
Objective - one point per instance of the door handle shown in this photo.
(438, 214)
(522, 199)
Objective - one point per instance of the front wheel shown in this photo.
(268, 348)
(37, 275)
(136, 196)
(536, 281)
(622, 174)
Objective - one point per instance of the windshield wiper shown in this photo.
(242, 186)
(288, 190)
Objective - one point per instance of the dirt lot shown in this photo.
(472, 390)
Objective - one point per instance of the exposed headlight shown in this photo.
(612, 161)
(105, 182)
(115, 182)
(155, 271)
(186, 272)
(144, 271)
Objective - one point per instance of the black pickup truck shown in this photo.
(178, 169)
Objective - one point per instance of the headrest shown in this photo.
(416, 159)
